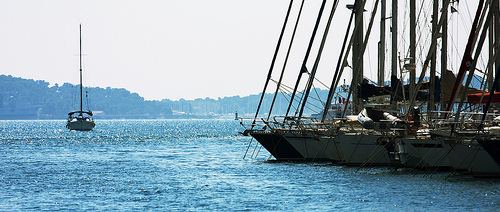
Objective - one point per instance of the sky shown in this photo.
(163, 49)
(157, 48)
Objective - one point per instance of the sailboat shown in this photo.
(80, 120)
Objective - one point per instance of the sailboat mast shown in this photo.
(338, 69)
(413, 43)
(357, 59)
(444, 49)
(318, 57)
(81, 85)
(274, 60)
(381, 48)
(394, 53)
(432, 73)
(303, 68)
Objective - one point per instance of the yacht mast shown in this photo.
(413, 41)
(318, 57)
(467, 57)
(278, 86)
(432, 73)
(444, 47)
(394, 56)
(357, 58)
(81, 85)
(427, 59)
(381, 59)
(303, 68)
(338, 69)
(274, 60)
(496, 27)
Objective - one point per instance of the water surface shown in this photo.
(198, 165)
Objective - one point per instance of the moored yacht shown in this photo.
(80, 120)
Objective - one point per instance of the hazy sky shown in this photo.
(162, 48)
(157, 48)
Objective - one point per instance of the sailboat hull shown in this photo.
(360, 150)
(311, 146)
(473, 158)
(80, 124)
(277, 145)
(423, 153)
(492, 146)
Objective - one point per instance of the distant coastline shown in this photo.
(39, 100)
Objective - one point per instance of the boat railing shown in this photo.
(302, 123)
(468, 120)
(289, 123)
(253, 123)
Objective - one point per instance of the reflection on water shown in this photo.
(199, 165)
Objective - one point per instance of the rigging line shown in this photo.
(423, 24)
(303, 67)
(360, 54)
(467, 59)
(274, 58)
(253, 152)
(319, 97)
(320, 82)
(314, 105)
(318, 57)
(421, 15)
(333, 87)
(258, 151)
(286, 59)
(283, 86)
(315, 98)
(403, 41)
(317, 80)
(451, 36)
(248, 147)
(493, 88)
(474, 63)
(485, 78)
(344, 61)
(413, 96)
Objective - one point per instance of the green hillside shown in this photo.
(57, 100)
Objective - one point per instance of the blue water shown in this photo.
(192, 165)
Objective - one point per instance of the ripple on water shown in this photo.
(199, 165)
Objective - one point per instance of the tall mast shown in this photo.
(381, 66)
(394, 57)
(466, 58)
(496, 26)
(273, 61)
(413, 96)
(432, 73)
(81, 85)
(318, 57)
(278, 86)
(303, 68)
(413, 41)
(338, 69)
(357, 57)
(444, 47)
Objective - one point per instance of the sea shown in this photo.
(201, 165)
